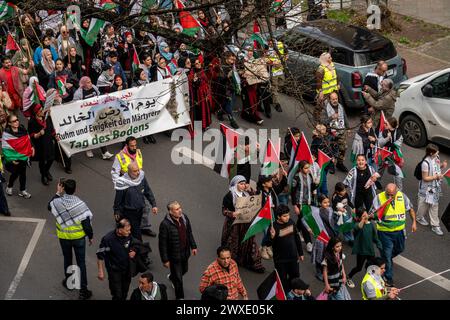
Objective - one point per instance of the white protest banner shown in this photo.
(108, 119)
(247, 208)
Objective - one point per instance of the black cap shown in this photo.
(263, 179)
(107, 66)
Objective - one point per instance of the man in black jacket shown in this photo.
(131, 190)
(176, 243)
(115, 252)
(286, 246)
(149, 289)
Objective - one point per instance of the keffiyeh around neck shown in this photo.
(69, 210)
(125, 181)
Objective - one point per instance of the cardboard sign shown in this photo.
(247, 208)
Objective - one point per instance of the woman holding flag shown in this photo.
(33, 95)
(244, 253)
(390, 138)
(17, 151)
(365, 140)
(63, 81)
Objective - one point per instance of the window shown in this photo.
(341, 56)
(441, 86)
(372, 57)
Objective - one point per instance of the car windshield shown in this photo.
(372, 57)
(423, 78)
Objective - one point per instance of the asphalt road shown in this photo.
(200, 191)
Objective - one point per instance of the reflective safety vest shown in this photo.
(394, 218)
(380, 289)
(125, 160)
(73, 232)
(329, 81)
(277, 71)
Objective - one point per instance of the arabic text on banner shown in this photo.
(108, 119)
(247, 208)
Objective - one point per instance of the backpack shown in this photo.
(418, 169)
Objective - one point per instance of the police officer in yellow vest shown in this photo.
(277, 70)
(373, 286)
(391, 226)
(73, 225)
(130, 153)
(326, 82)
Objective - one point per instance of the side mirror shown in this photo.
(427, 91)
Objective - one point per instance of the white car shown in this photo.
(423, 109)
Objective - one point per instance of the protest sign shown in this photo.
(247, 208)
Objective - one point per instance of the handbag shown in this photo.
(322, 296)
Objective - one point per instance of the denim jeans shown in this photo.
(79, 247)
(228, 105)
(393, 244)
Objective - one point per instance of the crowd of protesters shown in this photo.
(57, 62)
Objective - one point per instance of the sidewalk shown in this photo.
(428, 57)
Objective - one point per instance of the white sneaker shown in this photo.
(9, 191)
(171, 283)
(269, 251)
(422, 221)
(350, 283)
(309, 247)
(264, 253)
(107, 155)
(437, 230)
(89, 154)
(25, 194)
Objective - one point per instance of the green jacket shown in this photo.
(365, 238)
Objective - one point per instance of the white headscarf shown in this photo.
(234, 190)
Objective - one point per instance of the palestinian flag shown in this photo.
(381, 211)
(61, 83)
(135, 61)
(6, 10)
(271, 159)
(11, 44)
(271, 288)
(380, 155)
(38, 96)
(394, 169)
(141, 7)
(345, 226)
(447, 176)
(16, 148)
(293, 149)
(261, 221)
(226, 165)
(190, 25)
(276, 5)
(301, 153)
(312, 219)
(256, 36)
(382, 124)
(323, 161)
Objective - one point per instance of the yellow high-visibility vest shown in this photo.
(276, 59)
(73, 232)
(394, 218)
(125, 160)
(379, 287)
(329, 81)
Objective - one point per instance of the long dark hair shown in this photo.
(329, 251)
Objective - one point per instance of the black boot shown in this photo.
(278, 107)
(85, 294)
(152, 139)
(49, 176)
(145, 140)
(233, 122)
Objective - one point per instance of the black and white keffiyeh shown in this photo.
(69, 210)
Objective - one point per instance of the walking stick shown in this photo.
(61, 154)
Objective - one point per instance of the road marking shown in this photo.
(197, 157)
(200, 159)
(422, 272)
(28, 252)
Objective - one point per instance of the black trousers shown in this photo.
(287, 271)
(360, 259)
(44, 167)
(301, 226)
(18, 171)
(119, 284)
(3, 202)
(364, 198)
(177, 270)
(79, 248)
(135, 218)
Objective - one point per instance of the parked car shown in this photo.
(423, 109)
(355, 52)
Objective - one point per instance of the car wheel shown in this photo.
(413, 131)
